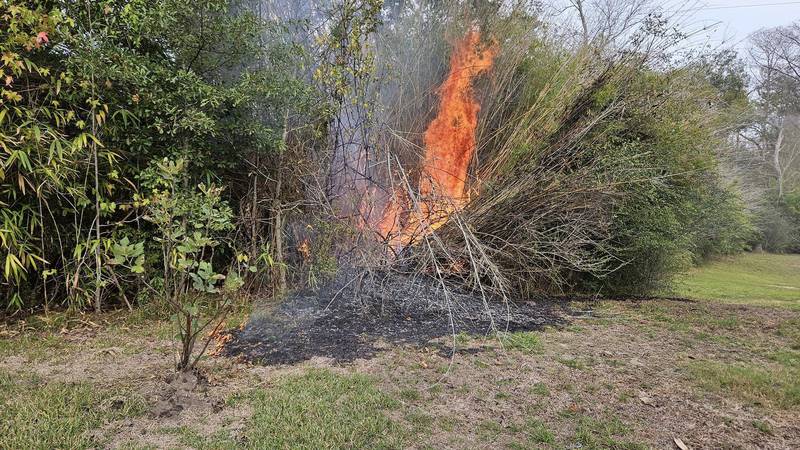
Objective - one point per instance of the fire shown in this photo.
(449, 147)
(450, 137)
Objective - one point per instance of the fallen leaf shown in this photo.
(647, 400)
(680, 444)
(111, 351)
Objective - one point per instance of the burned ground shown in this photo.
(354, 316)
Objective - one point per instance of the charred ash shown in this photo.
(357, 313)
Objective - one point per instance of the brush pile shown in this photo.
(499, 162)
(594, 168)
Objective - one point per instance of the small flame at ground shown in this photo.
(449, 148)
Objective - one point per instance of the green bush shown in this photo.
(96, 92)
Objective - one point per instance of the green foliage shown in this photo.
(677, 211)
(44, 136)
(191, 226)
(94, 93)
(778, 224)
(120, 120)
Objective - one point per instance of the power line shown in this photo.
(705, 8)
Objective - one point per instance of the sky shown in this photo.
(714, 23)
(737, 19)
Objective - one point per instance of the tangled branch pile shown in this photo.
(596, 168)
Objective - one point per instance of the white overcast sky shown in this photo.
(729, 22)
(737, 19)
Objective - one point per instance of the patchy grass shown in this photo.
(36, 414)
(489, 430)
(540, 389)
(35, 346)
(750, 278)
(527, 342)
(419, 421)
(788, 358)
(538, 432)
(410, 395)
(604, 434)
(322, 409)
(763, 427)
(573, 363)
(790, 329)
(192, 439)
(773, 387)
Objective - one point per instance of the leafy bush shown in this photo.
(94, 93)
(779, 227)
(192, 224)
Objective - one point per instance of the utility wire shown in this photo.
(705, 8)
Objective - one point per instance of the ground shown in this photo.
(721, 370)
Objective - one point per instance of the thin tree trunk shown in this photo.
(278, 267)
(578, 4)
(254, 212)
(97, 218)
(776, 160)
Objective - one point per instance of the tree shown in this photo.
(777, 54)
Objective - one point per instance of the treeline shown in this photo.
(159, 151)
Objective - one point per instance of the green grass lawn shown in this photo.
(39, 414)
(750, 278)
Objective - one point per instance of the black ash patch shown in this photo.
(349, 316)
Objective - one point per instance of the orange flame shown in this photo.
(449, 147)
(450, 138)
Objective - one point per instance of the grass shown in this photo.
(763, 427)
(36, 347)
(192, 439)
(750, 278)
(790, 329)
(410, 395)
(540, 389)
(573, 363)
(526, 342)
(34, 414)
(322, 409)
(607, 433)
(538, 433)
(777, 387)
(489, 430)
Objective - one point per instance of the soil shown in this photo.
(355, 317)
(601, 360)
